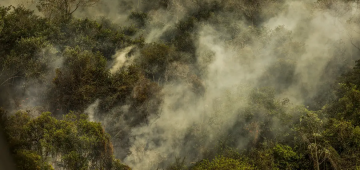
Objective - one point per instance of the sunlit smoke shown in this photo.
(121, 59)
(232, 70)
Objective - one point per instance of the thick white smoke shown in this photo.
(310, 41)
(232, 70)
(121, 59)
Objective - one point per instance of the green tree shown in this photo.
(285, 157)
(24, 46)
(82, 79)
(344, 138)
(223, 163)
(29, 160)
(311, 129)
(71, 143)
(154, 60)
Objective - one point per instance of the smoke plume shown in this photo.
(301, 41)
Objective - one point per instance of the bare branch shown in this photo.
(63, 8)
(9, 80)
(77, 6)
(354, 45)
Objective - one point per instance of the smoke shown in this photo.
(112, 10)
(303, 43)
(30, 93)
(327, 47)
(121, 59)
(297, 51)
(28, 4)
(163, 14)
(208, 116)
(92, 109)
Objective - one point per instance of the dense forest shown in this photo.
(179, 85)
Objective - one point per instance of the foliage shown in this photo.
(29, 160)
(68, 59)
(285, 157)
(155, 58)
(71, 143)
(223, 163)
(75, 91)
(139, 18)
(25, 49)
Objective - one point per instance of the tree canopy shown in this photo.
(181, 85)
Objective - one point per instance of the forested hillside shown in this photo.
(180, 85)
